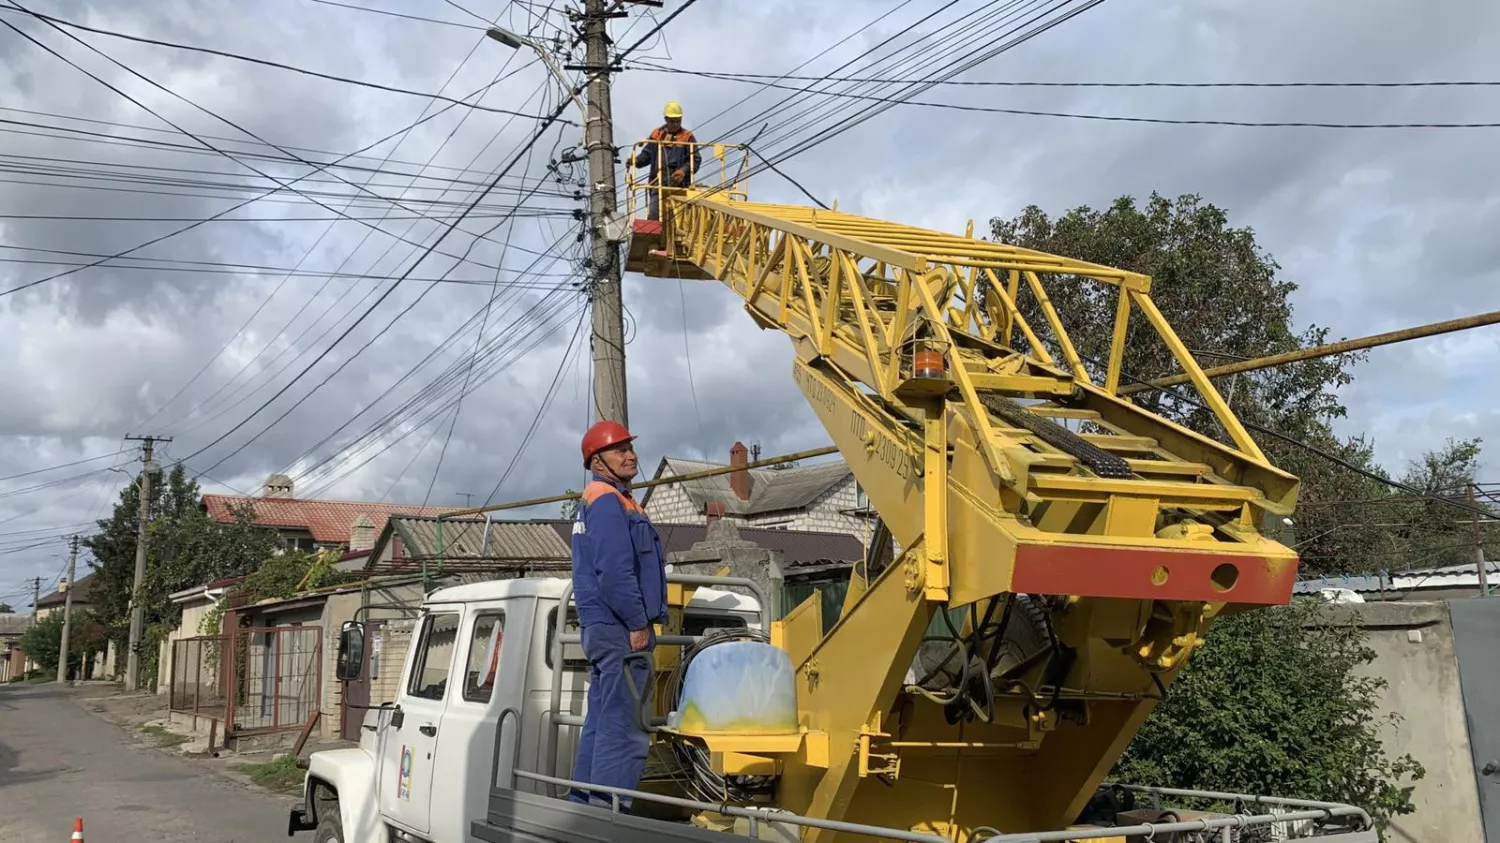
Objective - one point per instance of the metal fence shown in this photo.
(278, 674)
(196, 685)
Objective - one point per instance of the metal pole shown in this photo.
(137, 610)
(1484, 582)
(62, 650)
(610, 401)
(1342, 347)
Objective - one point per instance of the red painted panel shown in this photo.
(1134, 573)
(647, 227)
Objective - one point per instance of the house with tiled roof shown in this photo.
(822, 496)
(312, 524)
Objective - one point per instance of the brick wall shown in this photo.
(671, 505)
(394, 638)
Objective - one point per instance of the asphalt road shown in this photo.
(58, 761)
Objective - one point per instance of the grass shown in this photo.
(279, 774)
(164, 737)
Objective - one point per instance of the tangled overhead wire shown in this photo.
(694, 759)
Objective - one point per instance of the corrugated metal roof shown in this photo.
(797, 547)
(770, 490)
(1359, 584)
(14, 624)
(328, 521)
(472, 545)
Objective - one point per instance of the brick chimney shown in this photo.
(739, 481)
(712, 511)
(362, 533)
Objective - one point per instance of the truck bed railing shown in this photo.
(1226, 826)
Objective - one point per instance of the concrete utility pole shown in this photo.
(1484, 580)
(137, 611)
(36, 597)
(599, 141)
(62, 651)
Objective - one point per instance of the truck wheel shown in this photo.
(330, 828)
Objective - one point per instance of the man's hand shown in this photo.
(639, 638)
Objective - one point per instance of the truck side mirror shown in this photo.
(351, 651)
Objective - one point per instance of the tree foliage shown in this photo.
(184, 548)
(5, 608)
(1223, 296)
(1275, 702)
(43, 639)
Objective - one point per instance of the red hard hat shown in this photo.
(602, 435)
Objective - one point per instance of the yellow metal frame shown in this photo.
(986, 500)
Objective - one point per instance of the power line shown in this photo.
(483, 89)
(399, 15)
(452, 133)
(720, 74)
(983, 109)
(169, 235)
(63, 465)
(267, 63)
(219, 268)
(159, 116)
(537, 136)
(519, 213)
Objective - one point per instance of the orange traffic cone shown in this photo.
(77, 829)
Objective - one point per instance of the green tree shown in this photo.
(569, 508)
(1222, 294)
(42, 640)
(1276, 702)
(5, 608)
(184, 548)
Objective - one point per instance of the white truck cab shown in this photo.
(424, 764)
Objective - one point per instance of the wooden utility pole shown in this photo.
(1484, 580)
(62, 650)
(138, 611)
(599, 141)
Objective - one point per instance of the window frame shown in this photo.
(491, 654)
(419, 663)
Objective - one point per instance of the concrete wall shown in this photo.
(1414, 650)
(193, 614)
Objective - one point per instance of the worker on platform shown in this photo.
(619, 584)
(673, 155)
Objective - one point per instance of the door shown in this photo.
(1476, 628)
(408, 745)
(490, 681)
(356, 697)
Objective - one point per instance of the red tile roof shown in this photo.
(328, 521)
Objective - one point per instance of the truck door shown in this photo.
(408, 746)
(491, 679)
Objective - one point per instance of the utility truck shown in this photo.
(1048, 554)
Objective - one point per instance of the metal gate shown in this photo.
(1476, 632)
(278, 678)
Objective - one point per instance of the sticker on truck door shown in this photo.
(403, 775)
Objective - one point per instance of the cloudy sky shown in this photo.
(242, 337)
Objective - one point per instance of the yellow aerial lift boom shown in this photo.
(1062, 549)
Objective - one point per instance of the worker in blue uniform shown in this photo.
(619, 585)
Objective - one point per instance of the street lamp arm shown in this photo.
(516, 41)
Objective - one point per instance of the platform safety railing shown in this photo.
(643, 193)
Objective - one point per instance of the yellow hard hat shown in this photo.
(673, 109)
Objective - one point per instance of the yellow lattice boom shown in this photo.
(1001, 467)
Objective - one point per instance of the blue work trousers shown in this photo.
(612, 747)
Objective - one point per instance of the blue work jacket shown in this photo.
(619, 568)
